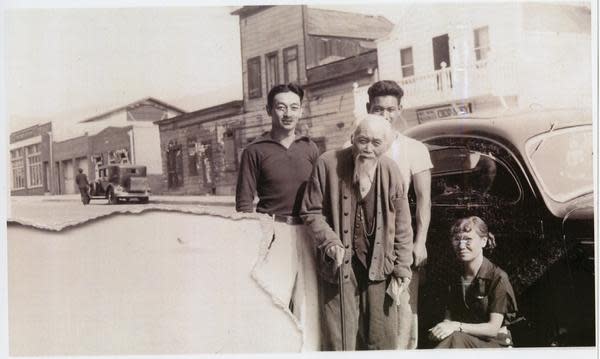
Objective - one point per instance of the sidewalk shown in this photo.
(199, 200)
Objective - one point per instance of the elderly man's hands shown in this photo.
(396, 287)
(337, 254)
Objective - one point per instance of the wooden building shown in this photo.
(328, 52)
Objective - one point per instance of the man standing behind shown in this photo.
(412, 157)
(356, 208)
(277, 166)
(84, 187)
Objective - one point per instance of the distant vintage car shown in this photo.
(121, 182)
(529, 175)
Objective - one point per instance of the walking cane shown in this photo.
(341, 284)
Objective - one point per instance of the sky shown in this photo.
(66, 64)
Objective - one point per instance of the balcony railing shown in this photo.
(483, 78)
(452, 83)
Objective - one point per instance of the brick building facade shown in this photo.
(43, 161)
(30, 160)
(200, 150)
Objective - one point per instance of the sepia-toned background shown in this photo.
(181, 90)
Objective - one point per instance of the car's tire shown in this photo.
(143, 199)
(112, 198)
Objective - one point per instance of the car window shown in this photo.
(563, 162)
(461, 176)
(113, 174)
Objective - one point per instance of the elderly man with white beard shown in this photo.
(356, 208)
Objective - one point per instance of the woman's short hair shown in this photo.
(468, 224)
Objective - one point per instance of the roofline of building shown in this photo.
(15, 134)
(235, 106)
(309, 33)
(31, 127)
(122, 128)
(352, 13)
(85, 135)
(341, 68)
(151, 99)
(245, 11)
(396, 26)
(88, 135)
(379, 17)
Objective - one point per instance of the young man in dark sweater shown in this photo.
(276, 167)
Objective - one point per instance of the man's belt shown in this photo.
(287, 219)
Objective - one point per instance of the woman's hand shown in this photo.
(443, 330)
(489, 329)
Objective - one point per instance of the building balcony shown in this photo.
(452, 84)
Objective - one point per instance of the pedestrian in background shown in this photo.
(84, 186)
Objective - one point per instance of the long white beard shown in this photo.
(364, 170)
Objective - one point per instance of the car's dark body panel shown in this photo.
(545, 246)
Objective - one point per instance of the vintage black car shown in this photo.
(121, 182)
(529, 175)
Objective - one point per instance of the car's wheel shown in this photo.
(143, 199)
(112, 198)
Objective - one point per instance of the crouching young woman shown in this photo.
(481, 299)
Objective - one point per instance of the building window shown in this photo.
(482, 43)
(406, 62)
(118, 157)
(174, 165)
(254, 78)
(18, 169)
(229, 149)
(272, 65)
(324, 48)
(290, 64)
(97, 162)
(35, 176)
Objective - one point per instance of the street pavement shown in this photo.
(203, 200)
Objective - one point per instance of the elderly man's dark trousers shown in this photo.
(371, 318)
